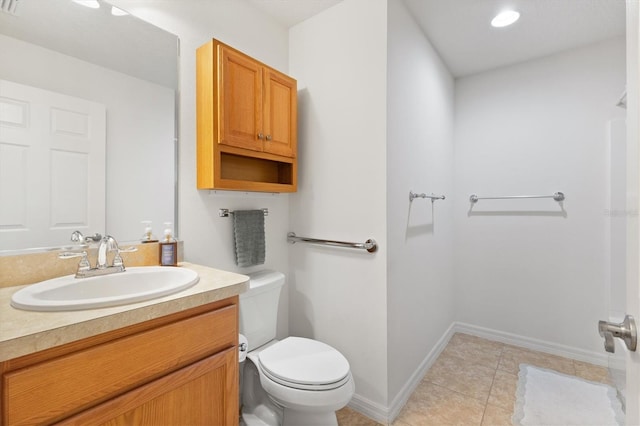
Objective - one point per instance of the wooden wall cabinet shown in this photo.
(246, 123)
(179, 369)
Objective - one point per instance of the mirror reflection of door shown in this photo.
(125, 64)
(52, 154)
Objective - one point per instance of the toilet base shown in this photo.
(254, 420)
(257, 408)
(296, 418)
(290, 418)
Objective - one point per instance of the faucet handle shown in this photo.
(117, 260)
(84, 264)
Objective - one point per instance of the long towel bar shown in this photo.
(413, 196)
(370, 245)
(558, 196)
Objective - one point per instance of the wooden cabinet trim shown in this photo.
(206, 126)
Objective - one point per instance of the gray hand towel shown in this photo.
(248, 230)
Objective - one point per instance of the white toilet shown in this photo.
(295, 381)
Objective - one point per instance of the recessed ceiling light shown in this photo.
(93, 4)
(116, 11)
(505, 18)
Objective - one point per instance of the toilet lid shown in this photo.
(297, 360)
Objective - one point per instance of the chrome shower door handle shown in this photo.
(626, 330)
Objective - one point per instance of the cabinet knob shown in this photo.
(260, 136)
(268, 137)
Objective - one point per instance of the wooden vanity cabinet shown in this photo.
(178, 369)
(246, 122)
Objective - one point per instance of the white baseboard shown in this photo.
(371, 409)
(597, 358)
(386, 415)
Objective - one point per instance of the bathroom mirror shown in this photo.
(86, 51)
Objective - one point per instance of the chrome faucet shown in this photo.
(107, 244)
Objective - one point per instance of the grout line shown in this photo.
(493, 381)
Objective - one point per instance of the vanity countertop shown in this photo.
(24, 332)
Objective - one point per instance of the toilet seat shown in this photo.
(304, 364)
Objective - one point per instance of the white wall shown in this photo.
(362, 147)
(536, 268)
(208, 238)
(420, 234)
(136, 189)
(339, 295)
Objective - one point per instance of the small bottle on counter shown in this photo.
(148, 236)
(168, 248)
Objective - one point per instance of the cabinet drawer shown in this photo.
(203, 393)
(57, 388)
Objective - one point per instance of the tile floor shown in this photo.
(473, 382)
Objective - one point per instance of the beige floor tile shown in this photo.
(434, 405)
(455, 374)
(463, 386)
(594, 373)
(474, 349)
(349, 417)
(496, 416)
(513, 356)
(503, 390)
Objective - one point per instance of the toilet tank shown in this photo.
(259, 307)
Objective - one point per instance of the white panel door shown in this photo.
(52, 167)
(633, 224)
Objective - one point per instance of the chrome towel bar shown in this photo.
(413, 196)
(227, 212)
(558, 196)
(370, 245)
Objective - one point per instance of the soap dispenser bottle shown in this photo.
(168, 248)
(148, 236)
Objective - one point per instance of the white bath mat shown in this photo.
(546, 397)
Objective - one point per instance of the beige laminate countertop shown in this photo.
(24, 332)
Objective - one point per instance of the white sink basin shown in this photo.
(134, 285)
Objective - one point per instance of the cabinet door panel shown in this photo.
(280, 112)
(241, 100)
(204, 393)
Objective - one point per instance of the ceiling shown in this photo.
(292, 12)
(460, 31)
